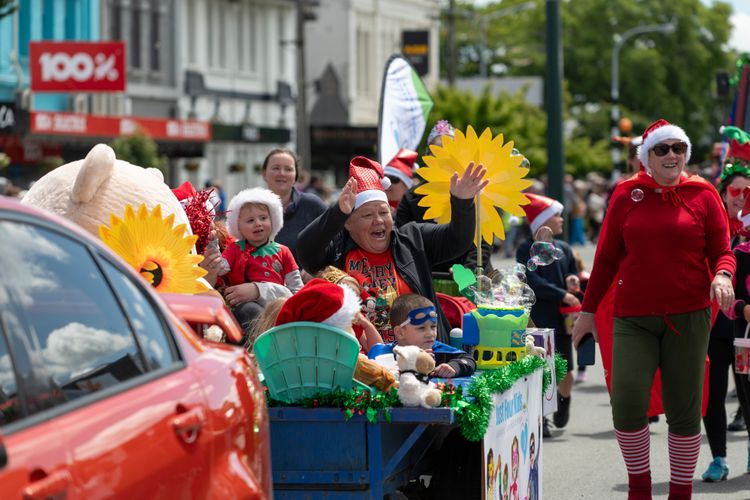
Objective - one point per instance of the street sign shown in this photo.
(415, 46)
(77, 66)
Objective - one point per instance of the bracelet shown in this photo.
(725, 273)
(585, 313)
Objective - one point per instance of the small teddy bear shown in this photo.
(532, 349)
(415, 388)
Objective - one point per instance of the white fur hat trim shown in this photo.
(343, 317)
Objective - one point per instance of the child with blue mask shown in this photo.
(414, 321)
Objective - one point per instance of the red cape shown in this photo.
(605, 312)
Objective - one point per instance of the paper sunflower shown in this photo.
(504, 172)
(156, 249)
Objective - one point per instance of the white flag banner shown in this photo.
(404, 108)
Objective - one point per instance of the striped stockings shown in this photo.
(683, 455)
(634, 446)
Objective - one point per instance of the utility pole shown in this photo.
(553, 101)
(303, 129)
(450, 67)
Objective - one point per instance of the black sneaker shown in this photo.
(545, 428)
(562, 415)
(738, 423)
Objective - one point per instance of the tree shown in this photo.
(519, 121)
(7, 7)
(139, 149)
(662, 75)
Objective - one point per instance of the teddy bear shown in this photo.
(415, 388)
(87, 191)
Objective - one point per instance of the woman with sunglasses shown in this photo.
(665, 234)
(734, 187)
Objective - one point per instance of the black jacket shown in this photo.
(415, 248)
(409, 211)
(548, 283)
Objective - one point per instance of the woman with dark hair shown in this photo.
(665, 248)
(734, 186)
(281, 171)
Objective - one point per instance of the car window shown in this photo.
(10, 407)
(74, 326)
(144, 317)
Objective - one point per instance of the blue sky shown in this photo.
(740, 38)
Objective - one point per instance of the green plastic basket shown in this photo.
(301, 359)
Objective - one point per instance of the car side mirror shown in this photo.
(202, 311)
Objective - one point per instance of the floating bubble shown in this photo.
(544, 253)
(636, 195)
(531, 265)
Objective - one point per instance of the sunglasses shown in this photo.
(393, 179)
(678, 148)
(736, 192)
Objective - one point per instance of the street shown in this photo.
(584, 461)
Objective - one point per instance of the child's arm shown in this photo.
(268, 292)
(372, 336)
(293, 281)
(462, 365)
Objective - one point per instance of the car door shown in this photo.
(35, 464)
(131, 414)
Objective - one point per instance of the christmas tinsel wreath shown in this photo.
(472, 406)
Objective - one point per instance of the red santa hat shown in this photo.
(659, 131)
(321, 301)
(402, 166)
(744, 214)
(540, 210)
(255, 195)
(371, 180)
(184, 193)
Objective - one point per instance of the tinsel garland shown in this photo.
(472, 406)
(731, 169)
(739, 66)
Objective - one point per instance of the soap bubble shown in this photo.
(636, 195)
(543, 254)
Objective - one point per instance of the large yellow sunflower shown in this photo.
(504, 172)
(156, 249)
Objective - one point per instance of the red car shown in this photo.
(105, 389)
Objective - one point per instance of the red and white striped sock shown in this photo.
(683, 455)
(634, 446)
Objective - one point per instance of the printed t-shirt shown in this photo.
(380, 279)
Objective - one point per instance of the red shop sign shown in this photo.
(48, 123)
(77, 66)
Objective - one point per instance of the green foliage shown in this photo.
(7, 7)
(520, 122)
(662, 75)
(139, 149)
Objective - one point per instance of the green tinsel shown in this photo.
(472, 406)
(739, 66)
(351, 402)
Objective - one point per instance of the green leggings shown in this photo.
(641, 344)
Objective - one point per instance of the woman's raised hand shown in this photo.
(470, 183)
(348, 196)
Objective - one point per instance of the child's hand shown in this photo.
(571, 300)
(444, 371)
(237, 294)
(573, 283)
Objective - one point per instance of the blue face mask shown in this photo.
(419, 316)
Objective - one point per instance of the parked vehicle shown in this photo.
(105, 389)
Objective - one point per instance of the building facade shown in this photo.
(346, 49)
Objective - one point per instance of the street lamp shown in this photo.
(484, 21)
(620, 40)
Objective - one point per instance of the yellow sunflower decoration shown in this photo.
(160, 252)
(504, 172)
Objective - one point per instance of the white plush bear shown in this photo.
(532, 349)
(415, 388)
(87, 191)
